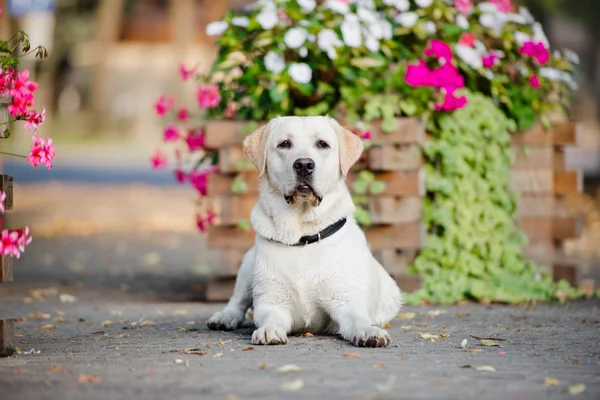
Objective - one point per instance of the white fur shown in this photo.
(333, 286)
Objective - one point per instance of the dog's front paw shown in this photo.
(269, 335)
(225, 321)
(372, 336)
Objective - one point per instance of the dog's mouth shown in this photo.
(304, 192)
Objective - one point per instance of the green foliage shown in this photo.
(474, 249)
(239, 185)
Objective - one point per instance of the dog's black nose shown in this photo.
(304, 166)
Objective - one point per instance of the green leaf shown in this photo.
(239, 186)
(362, 216)
(367, 62)
(248, 128)
(377, 187)
(244, 224)
(360, 187)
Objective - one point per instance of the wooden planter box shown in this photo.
(397, 232)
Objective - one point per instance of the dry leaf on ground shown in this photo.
(351, 355)
(147, 323)
(406, 315)
(249, 348)
(39, 315)
(55, 368)
(289, 368)
(308, 334)
(218, 355)
(292, 386)
(463, 344)
(485, 368)
(83, 378)
(576, 388)
(490, 343)
(551, 382)
(378, 366)
(107, 323)
(435, 313)
(47, 326)
(66, 298)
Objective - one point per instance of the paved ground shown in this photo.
(133, 331)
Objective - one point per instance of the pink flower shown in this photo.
(199, 179)
(208, 96)
(366, 135)
(42, 152)
(534, 81)
(439, 50)
(33, 120)
(418, 75)
(447, 77)
(467, 39)
(203, 223)
(490, 60)
(230, 111)
(163, 105)
(536, 50)
(451, 102)
(183, 114)
(2, 198)
(180, 176)
(195, 140)
(463, 6)
(171, 133)
(501, 353)
(23, 240)
(187, 73)
(505, 6)
(159, 159)
(9, 243)
(283, 17)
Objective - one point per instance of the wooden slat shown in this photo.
(6, 186)
(560, 160)
(395, 261)
(395, 158)
(566, 133)
(232, 159)
(219, 184)
(410, 130)
(539, 181)
(562, 133)
(527, 157)
(227, 262)
(235, 208)
(220, 134)
(394, 210)
(557, 228)
(566, 271)
(567, 227)
(227, 237)
(6, 269)
(4, 116)
(566, 182)
(535, 206)
(7, 333)
(219, 290)
(408, 283)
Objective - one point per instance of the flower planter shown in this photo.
(397, 232)
(4, 102)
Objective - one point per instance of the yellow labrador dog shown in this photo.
(310, 269)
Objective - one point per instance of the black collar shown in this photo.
(325, 233)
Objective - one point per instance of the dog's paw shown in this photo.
(225, 321)
(269, 335)
(372, 336)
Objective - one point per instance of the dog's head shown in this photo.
(303, 158)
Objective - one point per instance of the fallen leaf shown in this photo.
(463, 344)
(66, 298)
(351, 355)
(83, 378)
(575, 362)
(39, 315)
(55, 368)
(218, 355)
(249, 348)
(444, 335)
(147, 323)
(60, 313)
(576, 389)
(435, 313)
(98, 333)
(221, 343)
(107, 323)
(387, 325)
(406, 315)
(485, 342)
(463, 314)
(551, 382)
(475, 350)
(489, 338)
(485, 368)
(263, 366)
(377, 366)
(400, 355)
(289, 368)
(388, 386)
(308, 334)
(47, 326)
(292, 386)
(466, 366)
(501, 353)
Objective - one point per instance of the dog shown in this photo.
(310, 269)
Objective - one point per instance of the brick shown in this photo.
(394, 210)
(235, 208)
(527, 157)
(395, 261)
(395, 158)
(566, 182)
(537, 181)
(410, 130)
(220, 134)
(232, 159)
(558, 228)
(535, 206)
(562, 133)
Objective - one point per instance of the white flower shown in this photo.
(300, 72)
(526, 14)
(493, 21)
(303, 52)
(295, 38)
(332, 53)
(429, 27)
(401, 5)
(469, 55)
(304, 23)
(311, 38)
(407, 19)
(367, 16)
(240, 21)
(365, 3)
(351, 31)
(386, 29)
(268, 18)
(337, 6)
(488, 74)
(423, 3)
(461, 21)
(307, 5)
(539, 35)
(487, 7)
(216, 28)
(274, 62)
(571, 56)
(521, 38)
(371, 43)
(327, 39)
(516, 18)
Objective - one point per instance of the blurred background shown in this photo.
(102, 207)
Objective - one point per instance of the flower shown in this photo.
(307, 5)
(216, 28)
(327, 40)
(23, 239)
(171, 133)
(339, 6)
(268, 17)
(2, 198)
(195, 140)
(9, 243)
(430, 27)
(158, 159)
(163, 105)
(503, 5)
(366, 135)
(186, 73)
(469, 55)
(447, 77)
(180, 176)
(42, 152)
(208, 96)
(423, 3)
(295, 38)
(534, 81)
(183, 114)
(300, 72)
(571, 56)
(490, 60)
(467, 39)
(536, 50)
(439, 50)
(203, 223)
(274, 62)
(33, 120)
(199, 179)
(351, 31)
(371, 43)
(240, 21)
(462, 21)
(401, 5)
(465, 7)
(418, 75)
(451, 102)
(407, 19)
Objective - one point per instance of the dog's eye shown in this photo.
(286, 144)
(322, 144)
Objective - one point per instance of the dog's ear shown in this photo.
(351, 147)
(255, 148)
